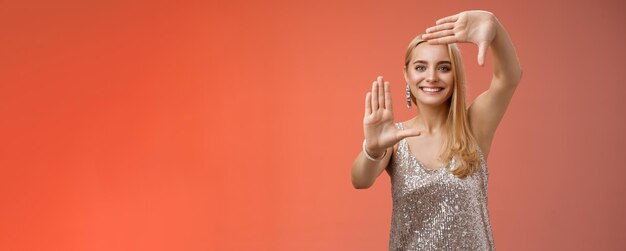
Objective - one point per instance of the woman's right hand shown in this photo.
(380, 130)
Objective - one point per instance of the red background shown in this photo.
(232, 125)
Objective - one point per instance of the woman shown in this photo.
(437, 160)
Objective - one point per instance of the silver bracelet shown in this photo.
(370, 157)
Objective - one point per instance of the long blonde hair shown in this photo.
(460, 141)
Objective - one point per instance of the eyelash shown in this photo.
(447, 69)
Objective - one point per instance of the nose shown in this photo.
(432, 76)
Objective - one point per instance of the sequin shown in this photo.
(435, 210)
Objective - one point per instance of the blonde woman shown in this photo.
(437, 160)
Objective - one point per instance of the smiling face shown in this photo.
(430, 75)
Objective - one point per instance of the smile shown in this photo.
(429, 90)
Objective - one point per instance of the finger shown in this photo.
(381, 93)
(438, 34)
(444, 40)
(445, 26)
(388, 103)
(368, 103)
(374, 96)
(482, 51)
(448, 19)
(408, 133)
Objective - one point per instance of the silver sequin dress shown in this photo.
(435, 210)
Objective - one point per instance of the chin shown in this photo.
(433, 104)
(432, 101)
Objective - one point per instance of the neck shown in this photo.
(431, 119)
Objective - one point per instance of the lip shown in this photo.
(431, 93)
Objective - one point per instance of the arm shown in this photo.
(483, 29)
(381, 134)
(365, 171)
(489, 107)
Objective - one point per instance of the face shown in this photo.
(429, 74)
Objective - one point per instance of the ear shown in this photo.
(406, 78)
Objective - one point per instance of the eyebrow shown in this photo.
(424, 62)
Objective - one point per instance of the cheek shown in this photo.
(449, 78)
(416, 77)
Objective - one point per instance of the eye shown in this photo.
(444, 68)
(420, 68)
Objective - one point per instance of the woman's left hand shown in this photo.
(478, 27)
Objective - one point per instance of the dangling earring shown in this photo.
(408, 96)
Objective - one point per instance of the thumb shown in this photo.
(482, 51)
(408, 133)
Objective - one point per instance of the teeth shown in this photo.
(431, 89)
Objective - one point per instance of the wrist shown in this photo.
(373, 155)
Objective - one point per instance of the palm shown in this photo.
(477, 27)
(380, 131)
(378, 126)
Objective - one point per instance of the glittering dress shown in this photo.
(435, 210)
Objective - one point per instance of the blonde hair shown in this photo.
(460, 141)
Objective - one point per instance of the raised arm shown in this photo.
(381, 135)
(483, 29)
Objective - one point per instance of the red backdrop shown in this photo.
(232, 125)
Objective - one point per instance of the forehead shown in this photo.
(429, 52)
